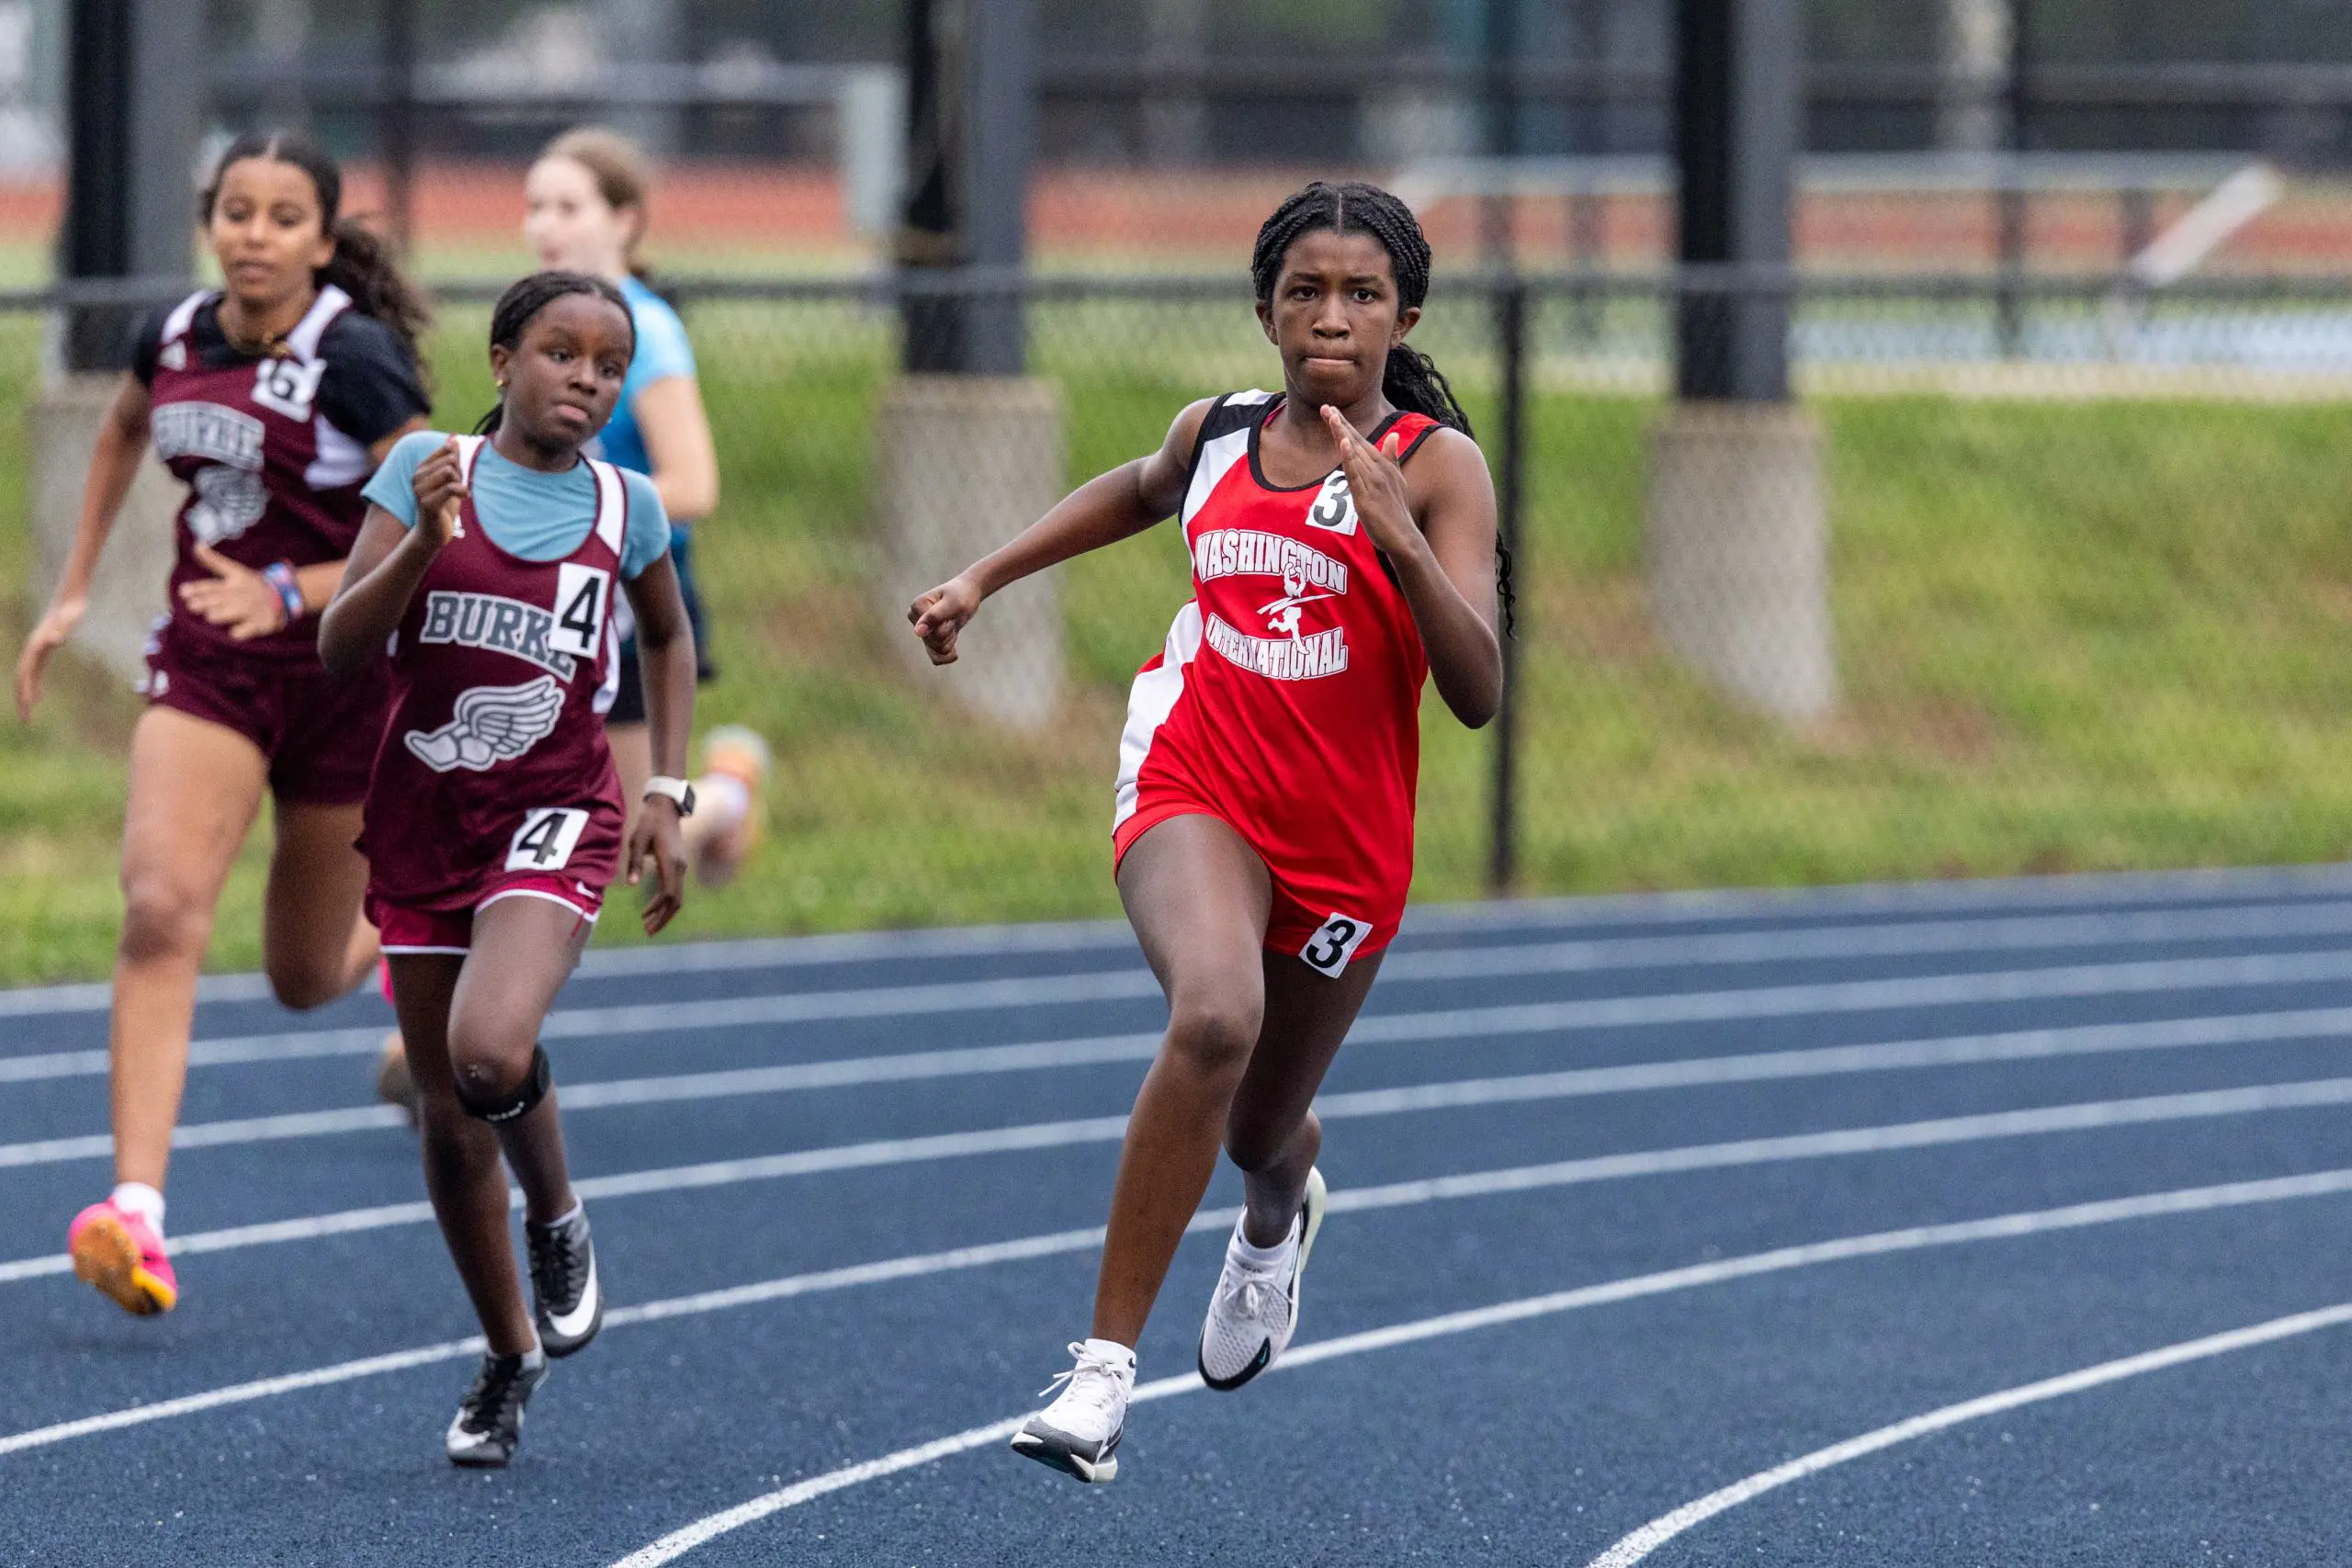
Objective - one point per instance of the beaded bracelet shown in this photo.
(279, 575)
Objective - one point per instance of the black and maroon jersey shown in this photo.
(273, 449)
(493, 766)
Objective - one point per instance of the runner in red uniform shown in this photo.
(272, 401)
(494, 817)
(1342, 540)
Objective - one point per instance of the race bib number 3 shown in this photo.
(1334, 943)
(1335, 506)
(545, 839)
(580, 592)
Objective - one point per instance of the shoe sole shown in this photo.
(107, 1260)
(1317, 1196)
(1053, 1456)
(484, 1462)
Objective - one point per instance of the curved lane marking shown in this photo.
(1531, 1018)
(2223, 889)
(2040, 933)
(1634, 1548)
(2082, 1116)
(2076, 1216)
(680, 1541)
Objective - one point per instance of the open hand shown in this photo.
(234, 596)
(939, 616)
(658, 837)
(439, 485)
(57, 624)
(1376, 481)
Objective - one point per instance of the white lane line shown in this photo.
(1600, 1012)
(1634, 1548)
(2229, 885)
(1918, 1238)
(2238, 886)
(2041, 933)
(2195, 1200)
(2235, 1029)
(210, 1134)
(1895, 1055)
(1939, 1132)
(2030, 933)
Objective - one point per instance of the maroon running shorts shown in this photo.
(318, 733)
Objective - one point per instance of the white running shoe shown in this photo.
(1255, 1310)
(1078, 1433)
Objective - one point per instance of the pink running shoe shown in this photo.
(120, 1253)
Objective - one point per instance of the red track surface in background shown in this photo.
(1138, 213)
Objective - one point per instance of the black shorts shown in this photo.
(628, 702)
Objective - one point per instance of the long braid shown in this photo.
(1411, 380)
(526, 297)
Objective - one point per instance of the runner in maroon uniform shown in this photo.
(272, 401)
(494, 818)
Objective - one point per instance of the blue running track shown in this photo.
(1985, 1223)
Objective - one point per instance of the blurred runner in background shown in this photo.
(273, 401)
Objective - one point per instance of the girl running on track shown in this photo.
(1342, 540)
(272, 399)
(586, 211)
(494, 817)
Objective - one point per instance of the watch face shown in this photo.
(686, 805)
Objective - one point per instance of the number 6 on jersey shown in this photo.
(545, 839)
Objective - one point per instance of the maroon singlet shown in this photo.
(494, 778)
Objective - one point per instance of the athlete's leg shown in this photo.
(315, 945)
(195, 788)
(1198, 897)
(463, 1174)
(1271, 1132)
(523, 949)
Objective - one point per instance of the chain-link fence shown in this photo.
(2055, 576)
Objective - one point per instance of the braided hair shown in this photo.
(523, 300)
(1411, 380)
(362, 266)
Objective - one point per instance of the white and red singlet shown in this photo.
(1287, 702)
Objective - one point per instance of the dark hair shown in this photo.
(1412, 381)
(362, 265)
(523, 300)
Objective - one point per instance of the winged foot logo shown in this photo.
(489, 725)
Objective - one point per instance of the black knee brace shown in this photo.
(506, 1107)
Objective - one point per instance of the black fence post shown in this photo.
(133, 111)
(396, 122)
(2015, 200)
(1511, 467)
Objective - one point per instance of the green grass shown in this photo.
(2072, 637)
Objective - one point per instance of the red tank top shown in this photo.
(269, 477)
(1291, 686)
(495, 760)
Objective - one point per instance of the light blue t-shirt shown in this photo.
(525, 512)
(663, 352)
